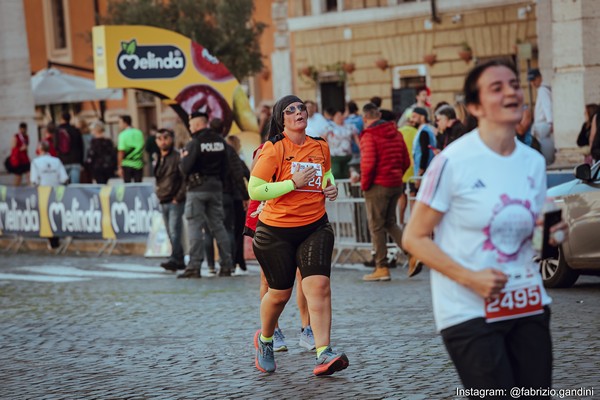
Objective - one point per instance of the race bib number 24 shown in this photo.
(314, 185)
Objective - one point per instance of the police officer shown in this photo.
(204, 162)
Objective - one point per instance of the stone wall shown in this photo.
(490, 32)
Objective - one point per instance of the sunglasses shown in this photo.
(292, 109)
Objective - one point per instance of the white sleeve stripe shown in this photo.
(433, 179)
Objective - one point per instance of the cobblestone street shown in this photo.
(121, 328)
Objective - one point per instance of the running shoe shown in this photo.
(211, 272)
(240, 272)
(265, 358)
(307, 339)
(279, 341)
(330, 362)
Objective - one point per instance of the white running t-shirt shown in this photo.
(490, 203)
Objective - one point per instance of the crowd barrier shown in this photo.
(100, 212)
(348, 217)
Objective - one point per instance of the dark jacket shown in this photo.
(234, 182)
(207, 157)
(383, 156)
(75, 156)
(169, 179)
(102, 156)
(451, 134)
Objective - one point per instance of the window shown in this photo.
(58, 25)
(57, 30)
(331, 5)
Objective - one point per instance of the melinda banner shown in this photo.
(178, 70)
(87, 211)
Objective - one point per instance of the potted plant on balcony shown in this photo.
(349, 67)
(430, 59)
(382, 64)
(465, 53)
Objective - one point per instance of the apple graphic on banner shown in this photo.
(206, 99)
(209, 65)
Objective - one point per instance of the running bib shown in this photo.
(314, 185)
(520, 297)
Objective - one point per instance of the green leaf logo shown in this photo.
(129, 47)
(120, 193)
(59, 192)
(2, 192)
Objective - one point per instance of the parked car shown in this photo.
(579, 200)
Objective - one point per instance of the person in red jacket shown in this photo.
(384, 158)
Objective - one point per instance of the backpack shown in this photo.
(63, 142)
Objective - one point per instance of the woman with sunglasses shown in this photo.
(483, 195)
(293, 172)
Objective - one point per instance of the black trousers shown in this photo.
(502, 355)
(132, 174)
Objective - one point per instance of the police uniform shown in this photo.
(205, 167)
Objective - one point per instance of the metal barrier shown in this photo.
(348, 217)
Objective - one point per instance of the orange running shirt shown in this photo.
(277, 162)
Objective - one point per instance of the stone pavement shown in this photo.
(120, 328)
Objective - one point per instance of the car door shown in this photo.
(582, 213)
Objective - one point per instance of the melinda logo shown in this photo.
(150, 62)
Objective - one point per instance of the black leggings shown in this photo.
(502, 355)
(280, 250)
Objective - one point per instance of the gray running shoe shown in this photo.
(279, 341)
(329, 362)
(307, 339)
(265, 358)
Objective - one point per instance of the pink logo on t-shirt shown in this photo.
(510, 227)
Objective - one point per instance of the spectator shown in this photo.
(422, 100)
(523, 130)
(340, 138)
(69, 144)
(353, 117)
(384, 159)
(386, 115)
(583, 139)
(101, 158)
(131, 151)
(317, 123)
(424, 143)
(47, 170)
(151, 146)
(86, 137)
(542, 115)
(595, 139)
(240, 206)
(449, 127)
(49, 135)
(17, 162)
(408, 131)
(263, 121)
(170, 190)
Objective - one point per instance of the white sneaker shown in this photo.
(239, 272)
(211, 273)
(307, 340)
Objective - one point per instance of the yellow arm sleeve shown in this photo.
(328, 176)
(259, 189)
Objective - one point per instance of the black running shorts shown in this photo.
(280, 250)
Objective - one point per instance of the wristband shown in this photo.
(294, 183)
